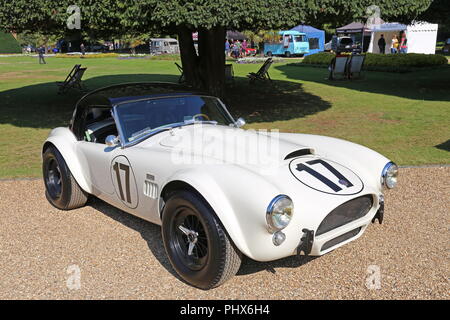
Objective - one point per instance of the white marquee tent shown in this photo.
(421, 36)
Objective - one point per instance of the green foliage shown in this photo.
(385, 62)
(115, 17)
(88, 56)
(8, 44)
(415, 60)
(321, 58)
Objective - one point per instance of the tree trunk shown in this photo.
(189, 58)
(205, 70)
(211, 49)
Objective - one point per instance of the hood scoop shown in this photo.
(299, 153)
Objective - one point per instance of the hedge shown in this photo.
(87, 56)
(8, 44)
(385, 62)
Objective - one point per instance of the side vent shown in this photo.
(299, 153)
(150, 189)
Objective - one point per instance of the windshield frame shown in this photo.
(124, 143)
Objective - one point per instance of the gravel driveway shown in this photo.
(120, 256)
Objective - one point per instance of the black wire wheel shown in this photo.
(61, 189)
(53, 179)
(197, 245)
(189, 239)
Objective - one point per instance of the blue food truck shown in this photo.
(289, 43)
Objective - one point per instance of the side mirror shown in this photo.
(111, 141)
(239, 123)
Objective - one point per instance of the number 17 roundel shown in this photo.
(326, 176)
(124, 181)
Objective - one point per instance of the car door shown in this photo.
(98, 158)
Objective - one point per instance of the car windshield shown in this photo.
(346, 41)
(139, 119)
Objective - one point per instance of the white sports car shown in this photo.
(177, 158)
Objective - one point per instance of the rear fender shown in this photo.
(64, 140)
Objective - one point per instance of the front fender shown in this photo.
(240, 204)
(64, 140)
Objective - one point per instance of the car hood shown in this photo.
(230, 145)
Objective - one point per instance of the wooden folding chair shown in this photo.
(262, 73)
(73, 80)
(355, 65)
(70, 75)
(181, 79)
(338, 67)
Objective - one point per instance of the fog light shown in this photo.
(278, 238)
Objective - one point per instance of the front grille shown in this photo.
(345, 213)
(340, 239)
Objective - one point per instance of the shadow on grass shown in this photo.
(429, 84)
(39, 105)
(272, 101)
(444, 146)
(151, 233)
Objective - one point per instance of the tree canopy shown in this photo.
(111, 17)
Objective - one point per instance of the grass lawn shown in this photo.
(404, 116)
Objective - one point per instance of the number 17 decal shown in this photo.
(342, 180)
(124, 181)
(120, 166)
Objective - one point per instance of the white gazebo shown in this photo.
(421, 36)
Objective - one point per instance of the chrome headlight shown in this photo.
(279, 213)
(389, 175)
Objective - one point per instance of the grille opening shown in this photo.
(298, 153)
(345, 213)
(339, 239)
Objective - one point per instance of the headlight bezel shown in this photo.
(271, 225)
(385, 174)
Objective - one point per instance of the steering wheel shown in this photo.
(200, 115)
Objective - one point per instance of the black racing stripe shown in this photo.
(314, 173)
(332, 170)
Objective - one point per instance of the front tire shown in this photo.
(61, 189)
(196, 243)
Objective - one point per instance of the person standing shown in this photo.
(394, 44)
(238, 49)
(41, 52)
(83, 50)
(227, 48)
(404, 43)
(244, 47)
(382, 44)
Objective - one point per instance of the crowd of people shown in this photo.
(235, 48)
(397, 46)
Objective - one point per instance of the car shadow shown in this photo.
(151, 233)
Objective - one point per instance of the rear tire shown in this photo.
(61, 189)
(269, 54)
(213, 258)
(287, 54)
